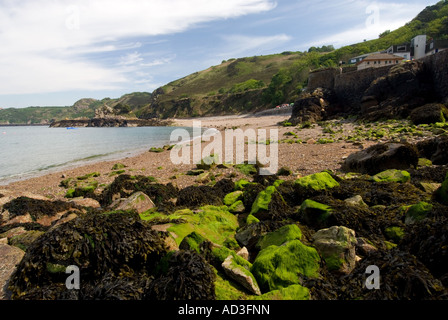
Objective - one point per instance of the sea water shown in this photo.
(27, 151)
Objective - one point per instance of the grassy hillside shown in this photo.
(41, 115)
(234, 86)
(127, 105)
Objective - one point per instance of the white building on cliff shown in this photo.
(378, 60)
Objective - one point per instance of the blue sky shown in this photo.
(55, 52)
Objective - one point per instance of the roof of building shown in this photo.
(381, 56)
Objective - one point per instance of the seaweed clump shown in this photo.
(35, 207)
(187, 276)
(125, 185)
(110, 246)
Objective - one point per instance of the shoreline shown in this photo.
(303, 159)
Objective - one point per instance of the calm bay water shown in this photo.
(31, 151)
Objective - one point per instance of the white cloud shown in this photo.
(45, 43)
(238, 45)
(373, 19)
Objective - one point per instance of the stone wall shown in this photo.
(349, 87)
(322, 78)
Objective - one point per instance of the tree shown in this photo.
(385, 33)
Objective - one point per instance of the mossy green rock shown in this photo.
(423, 162)
(394, 233)
(278, 267)
(192, 242)
(237, 207)
(317, 182)
(240, 184)
(314, 213)
(232, 197)
(392, 175)
(263, 199)
(252, 219)
(294, 292)
(215, 224)
(417, 212)
(280, 236)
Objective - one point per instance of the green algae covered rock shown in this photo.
(392, 175)
(263, 199)
(240, 184)
(278, 267)
(192, 242)
(232, 197)
(269, 205)
(293, 292)
(394, 233)
(317, 182)
(237, 207)
(214, 223)
(280, 236)
(314, 213)
(417, 212)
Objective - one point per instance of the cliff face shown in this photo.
(375, 93)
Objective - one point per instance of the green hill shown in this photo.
(127, 105)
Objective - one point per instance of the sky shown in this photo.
(55, 52)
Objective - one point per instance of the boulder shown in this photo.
(138, 201)
(337, 247)
(311, 107)
(429, 113)
(364, 246)
(237, 207)
(278, 267)
(381, 157)
(280, 236)
(11, 256)
(435, 149)
(240, 275)
(317, 182)
(392, 175)
(269, 205)
(356, 201)
(417, 212)
(243, 253)
(395, 95)
(314, 213)
(232, 197)
(86, 202)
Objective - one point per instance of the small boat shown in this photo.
(71, 128)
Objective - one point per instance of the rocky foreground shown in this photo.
(257, 237)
